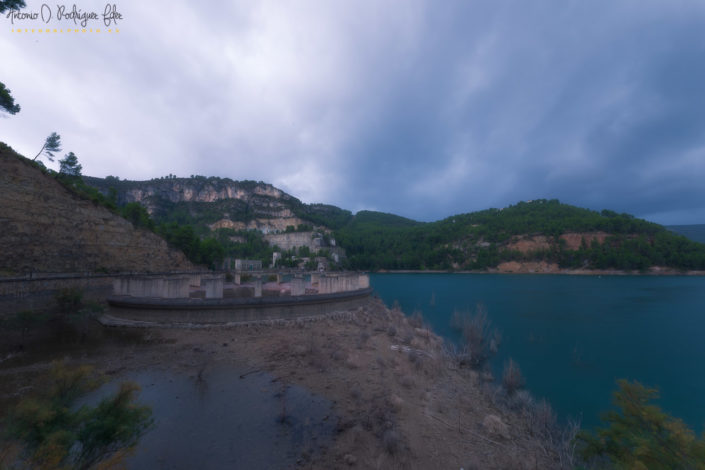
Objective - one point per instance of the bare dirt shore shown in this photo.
(400, 401)
(542, 267)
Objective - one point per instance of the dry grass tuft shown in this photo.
(391, 440)
(512, 379)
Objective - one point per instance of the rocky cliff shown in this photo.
(47, 228)
(288, 241)
(220, 203)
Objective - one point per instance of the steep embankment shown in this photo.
(47, 228)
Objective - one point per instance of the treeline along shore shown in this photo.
(542, 235)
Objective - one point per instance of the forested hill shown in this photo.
(211, 203)
(541, 231)
(540, 235)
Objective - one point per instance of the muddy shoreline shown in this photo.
(567, 272)
(399, 399)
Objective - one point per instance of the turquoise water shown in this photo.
(574, 336)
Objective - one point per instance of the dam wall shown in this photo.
(172, 301)
(187, 297)
(37, 292)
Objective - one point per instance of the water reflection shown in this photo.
(215, 419)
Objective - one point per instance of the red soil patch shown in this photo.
(573, 240)
(528, 243)
(528, 267)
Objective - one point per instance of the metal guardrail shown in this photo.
(93, 275)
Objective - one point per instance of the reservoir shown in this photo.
(575, 336)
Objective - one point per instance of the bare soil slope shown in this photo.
(47, 228)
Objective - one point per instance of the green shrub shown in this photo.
(52, 432)
(69, 300)
(641, 436)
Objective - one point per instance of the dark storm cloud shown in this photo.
(421, 108)
(599, 105)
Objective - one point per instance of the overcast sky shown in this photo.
(420, 108)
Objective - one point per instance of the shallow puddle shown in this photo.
(219, 420)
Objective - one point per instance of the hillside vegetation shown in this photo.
(202, 201)
(484, 239)
(540, 231)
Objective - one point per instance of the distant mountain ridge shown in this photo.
(695, 232)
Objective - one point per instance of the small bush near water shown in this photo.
(69, 300)
(480, 339)
(512, 380)
(641, 436)
(48, 431)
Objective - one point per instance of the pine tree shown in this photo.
(51, 145)
(69, 165)
(641, 436)
(7, 102)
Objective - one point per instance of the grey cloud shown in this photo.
(421, 108)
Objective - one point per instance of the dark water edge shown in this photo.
(574, 336)
(219, 420)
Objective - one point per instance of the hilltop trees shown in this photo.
(7, 102)
(51, 145)
(11, 5)
(69, 165)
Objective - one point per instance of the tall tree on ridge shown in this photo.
(69, 165)
(11, 5)
(7, 102)
(51, 145)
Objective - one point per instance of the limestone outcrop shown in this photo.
(47, 228)
(264, 225)
(288, 241)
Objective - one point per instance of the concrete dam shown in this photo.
(199, 299)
